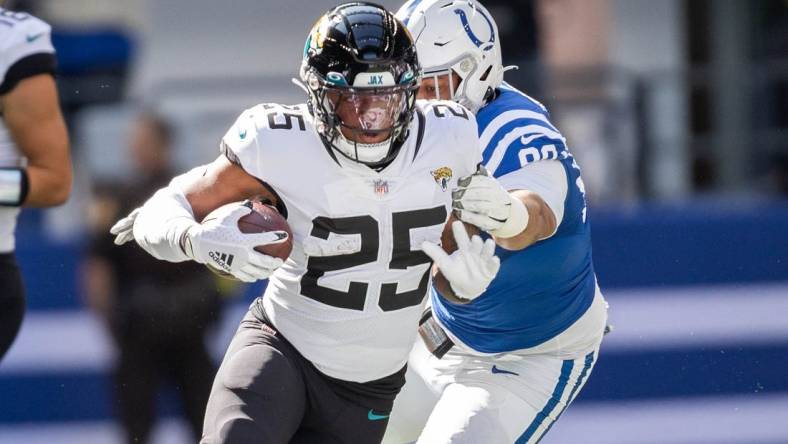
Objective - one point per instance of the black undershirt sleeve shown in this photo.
(34, 64)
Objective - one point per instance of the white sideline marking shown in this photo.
(752, 419)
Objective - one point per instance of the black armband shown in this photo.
(14, 186)
(32, 65)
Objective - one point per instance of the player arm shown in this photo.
(167, 225)
(219, 183)
(32, 114)
(162, 223)
(171, 225)
(517, 209)
(541, 221)
(541, 187)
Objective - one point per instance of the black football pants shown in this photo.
(12, 301)
(267, 392)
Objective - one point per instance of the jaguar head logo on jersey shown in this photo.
(442, 177)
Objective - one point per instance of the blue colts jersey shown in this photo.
(543, 289)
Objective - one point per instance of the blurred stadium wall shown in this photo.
(676, 109)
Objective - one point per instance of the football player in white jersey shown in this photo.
(517, 355)
(35, 167)
(364, 175)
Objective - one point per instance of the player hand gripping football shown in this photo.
(216, 242)
(471, 268)
(480, 200)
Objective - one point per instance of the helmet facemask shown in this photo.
(365, 124)
(472, 77)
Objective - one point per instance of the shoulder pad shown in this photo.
(262, 127)
(443, 109)
(21, 29)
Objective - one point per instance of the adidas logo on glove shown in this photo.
(223, 260)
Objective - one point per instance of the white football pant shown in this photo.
(514, 397)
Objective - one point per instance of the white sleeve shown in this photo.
(26, 37)
(164, 220)
(546, 178)
(241, 142)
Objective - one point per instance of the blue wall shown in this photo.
(690, 244)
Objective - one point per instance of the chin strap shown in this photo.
(299, 84)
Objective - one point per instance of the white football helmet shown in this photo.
(459, 36)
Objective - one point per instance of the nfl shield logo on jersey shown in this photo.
(381, 187)
(442, 177)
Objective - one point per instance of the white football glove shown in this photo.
(480, 200)
(471, 268)
(218, 243)
(124, 228)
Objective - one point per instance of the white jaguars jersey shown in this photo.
(21, 35)
(355, 315)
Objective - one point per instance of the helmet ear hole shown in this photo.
(483, 78)
(489, 94)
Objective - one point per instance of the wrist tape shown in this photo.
(14, 186)
(517, 221)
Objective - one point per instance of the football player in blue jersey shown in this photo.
(513, 358)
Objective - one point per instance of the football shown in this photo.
(449, 245)
(262, 219)
(447, 237)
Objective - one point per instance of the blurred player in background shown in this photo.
(35, 166)
(322, 355)
(157, 312)
(524, 348)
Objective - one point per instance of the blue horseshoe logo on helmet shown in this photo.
(469, 31)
